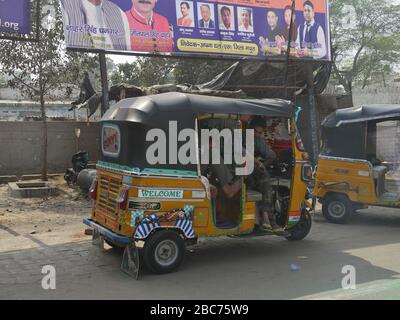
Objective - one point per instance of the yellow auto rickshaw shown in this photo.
(154, 209)
(352, 172)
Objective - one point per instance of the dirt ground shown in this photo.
(44, 215)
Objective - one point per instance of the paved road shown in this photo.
(216, 268)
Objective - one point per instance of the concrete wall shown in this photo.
(20, 145)
(7, 93)
(377, 94)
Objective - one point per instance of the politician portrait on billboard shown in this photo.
(150, 31)
(184, 13)
(205, 12)
(258, 29)
(245, 18)
(97, 24)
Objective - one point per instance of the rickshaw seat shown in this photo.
(253, 196)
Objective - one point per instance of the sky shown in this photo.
(117, 58)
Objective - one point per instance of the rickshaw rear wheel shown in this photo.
(337, 208)
(164, 251)
(302, 228)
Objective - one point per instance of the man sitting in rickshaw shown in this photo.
(224, 176)
(259, 180)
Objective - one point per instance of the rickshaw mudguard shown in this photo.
(182, 219)
(130, 261)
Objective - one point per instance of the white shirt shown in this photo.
(206, 23)
(231, 28)
(243, 28)
(318, 52)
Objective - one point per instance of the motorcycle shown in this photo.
(79, 162)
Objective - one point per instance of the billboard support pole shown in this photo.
(312, 113)
(104, 83)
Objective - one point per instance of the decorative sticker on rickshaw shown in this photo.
(159, 193)
(127, 180)
(293, 218)
(136, 215)
(110, 140)
(183, 220)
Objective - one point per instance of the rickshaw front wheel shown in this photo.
(164, 251)
(302, 228)
(337, 208)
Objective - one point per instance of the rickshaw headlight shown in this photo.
(122, 199)
(93, 189)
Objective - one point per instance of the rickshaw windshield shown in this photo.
(142, 148)
(347, 141)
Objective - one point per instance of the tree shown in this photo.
(126, 73)
(197, 71)
(77, 63)
(365, 38)
(147, 71)
(144, 71)
(38, 68)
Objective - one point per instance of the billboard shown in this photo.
(243, 28)
(15, 16)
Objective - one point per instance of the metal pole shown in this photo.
(104, 83)
(312, 114)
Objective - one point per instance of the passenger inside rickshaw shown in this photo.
(225, 186)
(222, 177)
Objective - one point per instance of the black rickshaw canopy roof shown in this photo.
(362, 114)
(155, 108)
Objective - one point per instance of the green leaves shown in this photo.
(148, 71)
(365, 35)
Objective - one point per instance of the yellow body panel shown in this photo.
(107, 214)
(351, 177)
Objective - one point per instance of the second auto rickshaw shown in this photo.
(350, 175)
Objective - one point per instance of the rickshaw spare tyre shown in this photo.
(164, 251)
(337, 208)
(302, 227)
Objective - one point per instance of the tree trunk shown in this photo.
(342, 80)
(44, 136)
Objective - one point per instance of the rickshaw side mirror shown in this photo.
(306, 173)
